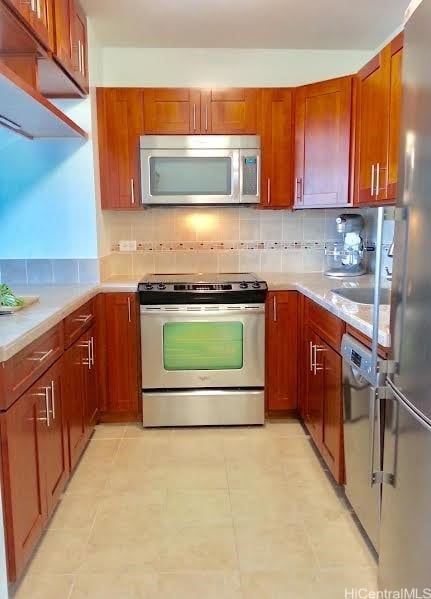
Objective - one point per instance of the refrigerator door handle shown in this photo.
(373, 400)
(377, 287)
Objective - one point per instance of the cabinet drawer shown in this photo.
(328, 326)
(23, 369)
(78, 322)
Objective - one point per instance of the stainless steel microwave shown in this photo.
(200, 169)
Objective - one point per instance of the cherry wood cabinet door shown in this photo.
(55, 458)
(323, 122)
(78, 26)
(120, 122)
(63, 17)
(76, 360)
(40, 20)
(122, 355)
(275, 126)
(25, 510)
(229, 111)
(373, 108)
(172, 111)
(329, 365)
(281, 352)
(396, 93)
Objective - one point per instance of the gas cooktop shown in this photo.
(202, 288)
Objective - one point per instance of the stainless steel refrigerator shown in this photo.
(405, 528)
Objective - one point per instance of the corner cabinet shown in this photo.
(378, 126)
(323, 126)
(281, 352)
(122, 348)
(120, 115)
(276, 129)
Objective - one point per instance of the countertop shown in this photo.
(57, 301)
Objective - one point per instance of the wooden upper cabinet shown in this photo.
(323, 122)
(275, 126)
(79, 45)
(38, 16)
(123, 355)
(229, 111)
(120, 124)
(281, 352)
(63, 18)
(172, 111)
(378, 125)
(395, 109)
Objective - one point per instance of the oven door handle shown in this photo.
(241, 310)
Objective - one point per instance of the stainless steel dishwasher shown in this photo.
(362, 453)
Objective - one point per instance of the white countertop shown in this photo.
(57, 301)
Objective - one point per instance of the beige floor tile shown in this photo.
(273, 547)
(285, 428)
(198, 548)
(334, 583)
(101, 451)
(129, 512)
(137, 478)
(199, 585)
(44, 587)
(139, 452)
(75, 511)
(260, 450)
(60, 552)
(197, 475)
(247, 475)
(89, 478)
(115, 586)
(194, 508)
(337, 542)
(292, 584)
(272, 505)
(109, 431)
(136, 430)
(187, 447)
(294, 447)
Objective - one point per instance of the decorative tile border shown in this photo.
(191, 246)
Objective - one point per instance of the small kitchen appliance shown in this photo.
(203, 349)
(346, 258)
(193, 170)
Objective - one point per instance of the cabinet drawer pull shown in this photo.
(311, 356)
(53, 399)
(274, 308)
(38, 9)
(129, 310)
(206, 117)
(194, 117)
(372, 179)
(268, 190)
(132, 190)
(316, 368)
(84, 318)
(298, 191)
(43, 357)
(92, 350)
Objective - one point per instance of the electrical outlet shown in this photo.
(128, 245)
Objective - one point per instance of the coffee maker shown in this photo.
(346, 258)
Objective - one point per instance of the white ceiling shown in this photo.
(312, 24)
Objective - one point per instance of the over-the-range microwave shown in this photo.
(200, 169)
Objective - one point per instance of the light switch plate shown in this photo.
(128, 245)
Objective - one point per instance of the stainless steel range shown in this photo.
(203, 349)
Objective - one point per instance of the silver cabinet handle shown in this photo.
(378, 179)
(268, 191)
(311, 356)
(38, 9)
(194, 117)
(132, 190)
(48, 419)
(274, 308)
(53, 399)
(92, 350)
(83, 58)
(33, 5)
(129, 309)
(372, 179)
(374, 397)
(43, 357)
(89, 354)
(206, 117)
(316, 368)
(298, 191)
(83, 318)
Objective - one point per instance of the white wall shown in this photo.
(214, 67)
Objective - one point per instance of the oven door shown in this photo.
(186, 176)
(203, 346)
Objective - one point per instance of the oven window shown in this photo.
(190, 176)
(203, 345)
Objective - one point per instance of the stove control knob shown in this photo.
(148, 286)
(256, 285)
(161, 286)
(243, 285)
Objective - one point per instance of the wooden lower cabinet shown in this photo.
(34, 464)
(321, 402)
(281, 352)
(122, 349)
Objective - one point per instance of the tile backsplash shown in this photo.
(49, 272)
(221, 239)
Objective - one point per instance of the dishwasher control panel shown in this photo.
(358, 355)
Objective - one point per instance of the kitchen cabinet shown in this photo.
(276, 127)
(281, 352)
(193, 111)
(82, 399)
(37, 14)
(229, 111)
(173, 111)
(120, 123)
(34, 465)
(122, 349)
(78, 27)
(64, 17)
(323, 123)
(378, 125)
(322, 405)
